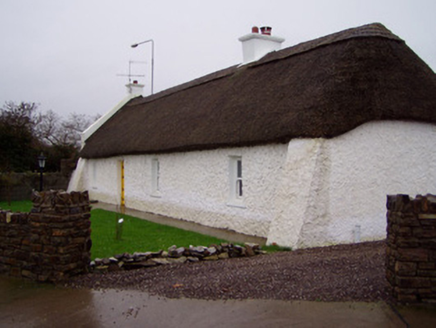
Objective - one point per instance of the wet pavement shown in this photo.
(24, 304)
(27, 304)
(186, 225)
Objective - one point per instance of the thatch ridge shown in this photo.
(320, 88)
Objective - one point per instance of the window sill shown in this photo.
(236, 203)
(156, 195)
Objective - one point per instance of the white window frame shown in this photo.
(155, 178)
(236, 182)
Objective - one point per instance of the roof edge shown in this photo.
(103, 119)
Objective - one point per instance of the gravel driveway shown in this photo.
(336, 273)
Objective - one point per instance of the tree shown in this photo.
(17, 143)
(25, 132)
(55, 131)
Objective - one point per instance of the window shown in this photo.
(236, 182)
(155, 177)
(239, 192)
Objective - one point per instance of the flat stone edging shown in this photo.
(174, 255)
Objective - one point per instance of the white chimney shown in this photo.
(256, 45)
(135, 88)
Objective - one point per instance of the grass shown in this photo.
(137, 235)
(17, 206)
(276, 248)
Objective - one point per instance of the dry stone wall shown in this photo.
(50, 243)
(174, 255)
(411, 248)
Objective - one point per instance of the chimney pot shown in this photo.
(266, 30)
(254, 29)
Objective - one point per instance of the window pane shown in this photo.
(239, 188)
(239, 168)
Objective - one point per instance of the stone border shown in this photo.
(174, 255)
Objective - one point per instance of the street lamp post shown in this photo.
(152, 59)
(41, 163)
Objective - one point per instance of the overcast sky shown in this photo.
(66, 54)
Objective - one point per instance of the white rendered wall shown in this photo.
(194, 186)
(311, 192)
(351, 176)
(103, 180)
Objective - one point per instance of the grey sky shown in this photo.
(66, 55)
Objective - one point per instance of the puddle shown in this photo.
(25, 304)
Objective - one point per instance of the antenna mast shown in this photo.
(130, 75)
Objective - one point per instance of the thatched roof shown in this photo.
(320, 88)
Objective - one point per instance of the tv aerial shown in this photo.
(130, 75)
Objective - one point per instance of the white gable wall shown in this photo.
(372, 161)
(103, 180)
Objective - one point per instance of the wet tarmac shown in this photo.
(24, 304)
(186, 225)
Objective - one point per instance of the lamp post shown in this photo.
(152, 59)
(41, 163)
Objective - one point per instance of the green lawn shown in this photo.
(137, 235)
(17, 206)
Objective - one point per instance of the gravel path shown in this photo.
(337, 273)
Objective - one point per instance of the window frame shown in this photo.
(155, 178)
(236, 182)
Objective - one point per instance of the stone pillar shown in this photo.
(50, 243)
(411, 248)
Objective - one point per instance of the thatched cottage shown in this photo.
(299, 145)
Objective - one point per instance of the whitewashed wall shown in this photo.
(311, 192)
(194, 186)
(345, 181)
(103, 180)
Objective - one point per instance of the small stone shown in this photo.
(249, 250)
(160, 261)
(212, 250)
(181, 259)
(223, 256)
(178, 252)
(156, 254)
(211, 258)
(102, 268)
(119, 256)
(254, 246)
